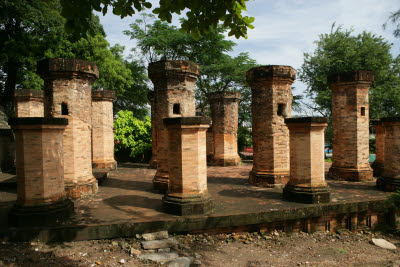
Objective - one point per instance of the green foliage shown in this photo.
(201, 16)
(340, 51)
(132, 137)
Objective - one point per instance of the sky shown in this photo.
(285, 29)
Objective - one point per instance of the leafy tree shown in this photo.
(132, 137)
(341, 50)
(202, 16)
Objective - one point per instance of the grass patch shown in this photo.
(328, 160)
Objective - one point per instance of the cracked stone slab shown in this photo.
(159, 257)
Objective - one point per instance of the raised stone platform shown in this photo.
(125, 205)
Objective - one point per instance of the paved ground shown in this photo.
(127, 197)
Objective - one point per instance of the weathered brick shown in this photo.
(28, 103)
(377, 166)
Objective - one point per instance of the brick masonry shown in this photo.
(377, 165)
(102, 130)
(187, 166)
(153, 160)
(225, 108)
(390, 180)
(271, 104)
(68, 94)
(28, 103)
(209, 144)
(307, 161)
(174, 86)
(350, 124)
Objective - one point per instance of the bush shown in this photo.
(132, 137)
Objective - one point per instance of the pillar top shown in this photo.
(164, 68)
(103, 95)
(220, 96)
(307, 120)
(28, 94)
(61, 67)
(37, 121)
(196, 120)
(268, 72)
(390, 119)
(352, 76)
(376, 122)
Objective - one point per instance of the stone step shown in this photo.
(155, 236)
(157, 244)
(159, 257)
(180, 262)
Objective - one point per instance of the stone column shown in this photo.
(390, 180)
(153, 160)
(174, 85)
(68, 94)
(102, 130)
(225, 112)
(28, 103)
(187, 166)
(350, 125)
(40, 172)
(307, 161)
(377, 166)
(271, 104)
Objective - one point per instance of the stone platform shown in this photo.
(125, 205)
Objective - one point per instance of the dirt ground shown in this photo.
(241, 249)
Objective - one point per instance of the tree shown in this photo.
(341, 50)
(202, 16)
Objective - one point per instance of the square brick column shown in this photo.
(307, 161)
(102, 130)
(377, 165)
(210, 145)
(390, 180)
(40, 172)
(225, 112)
(271, 104)
(153, 160)
(350, 125)
(68, 94)
(187, 191)
(28, 103)
(174, 85)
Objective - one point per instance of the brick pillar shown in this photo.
(28, 103)
(390, 180)
(307, 161)
(40, 172)
(209, 144)
(377, 166)
(102, 130)
(68, 94)
(174, 85)
(153, 160)
(187, 165)
(271, 104)
(350, 125)
(225, 112)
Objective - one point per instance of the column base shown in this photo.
(153, 163)
(306, 194)
(81, 189)
(110, 165)
(352, 175)
(377, 169)
(389, 184)
(226, 161)
(186, 205)
(268, 179)
(41, 215)
(160, 184)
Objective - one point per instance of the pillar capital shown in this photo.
(28, 94)
(306, 122)
(173, 69)
(225, 97)
(53, 68)
(103, 95)
(187, 121)
(271, 73)
(359, 76)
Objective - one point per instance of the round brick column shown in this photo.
(271, 104)
(174, 85)
(40, 172)
(377, 166)
(307, 161)
(153, 160)
(28, 103)
(102, 130)
(390, 180)
(225, 112)
(68, 94)
(350, 125)
(187, 166)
